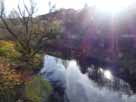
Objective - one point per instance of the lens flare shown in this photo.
(112, 6)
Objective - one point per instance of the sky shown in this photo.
(42, 5)
(110, 6)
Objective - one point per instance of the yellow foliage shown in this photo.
(9, 78)
(7, 49)
(9, 44)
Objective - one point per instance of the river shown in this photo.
(77, 86)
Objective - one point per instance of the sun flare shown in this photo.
(107, 74)
(113, 6)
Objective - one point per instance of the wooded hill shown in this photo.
(94, 38)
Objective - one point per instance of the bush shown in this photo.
(38, 90)
(7, 49)
(9, 80)
(11, 51)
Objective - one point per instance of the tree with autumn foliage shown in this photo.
(28, 31)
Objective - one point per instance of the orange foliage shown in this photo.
(9, 77)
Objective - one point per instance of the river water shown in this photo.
(77, 86)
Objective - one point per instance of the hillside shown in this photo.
(103, 41)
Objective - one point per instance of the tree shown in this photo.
(28, 31)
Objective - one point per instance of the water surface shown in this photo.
(77, 86)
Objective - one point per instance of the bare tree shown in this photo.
(26, 29)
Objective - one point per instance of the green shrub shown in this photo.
(38, 89)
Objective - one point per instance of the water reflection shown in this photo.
(79, 88)
(108, 74)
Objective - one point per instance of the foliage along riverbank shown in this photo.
(19, 82)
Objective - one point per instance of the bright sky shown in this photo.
(110, 6)
(42, 5)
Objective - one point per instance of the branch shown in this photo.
(8, 28)
(38, 46)
(10, 31)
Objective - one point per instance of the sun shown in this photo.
(112, 6)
